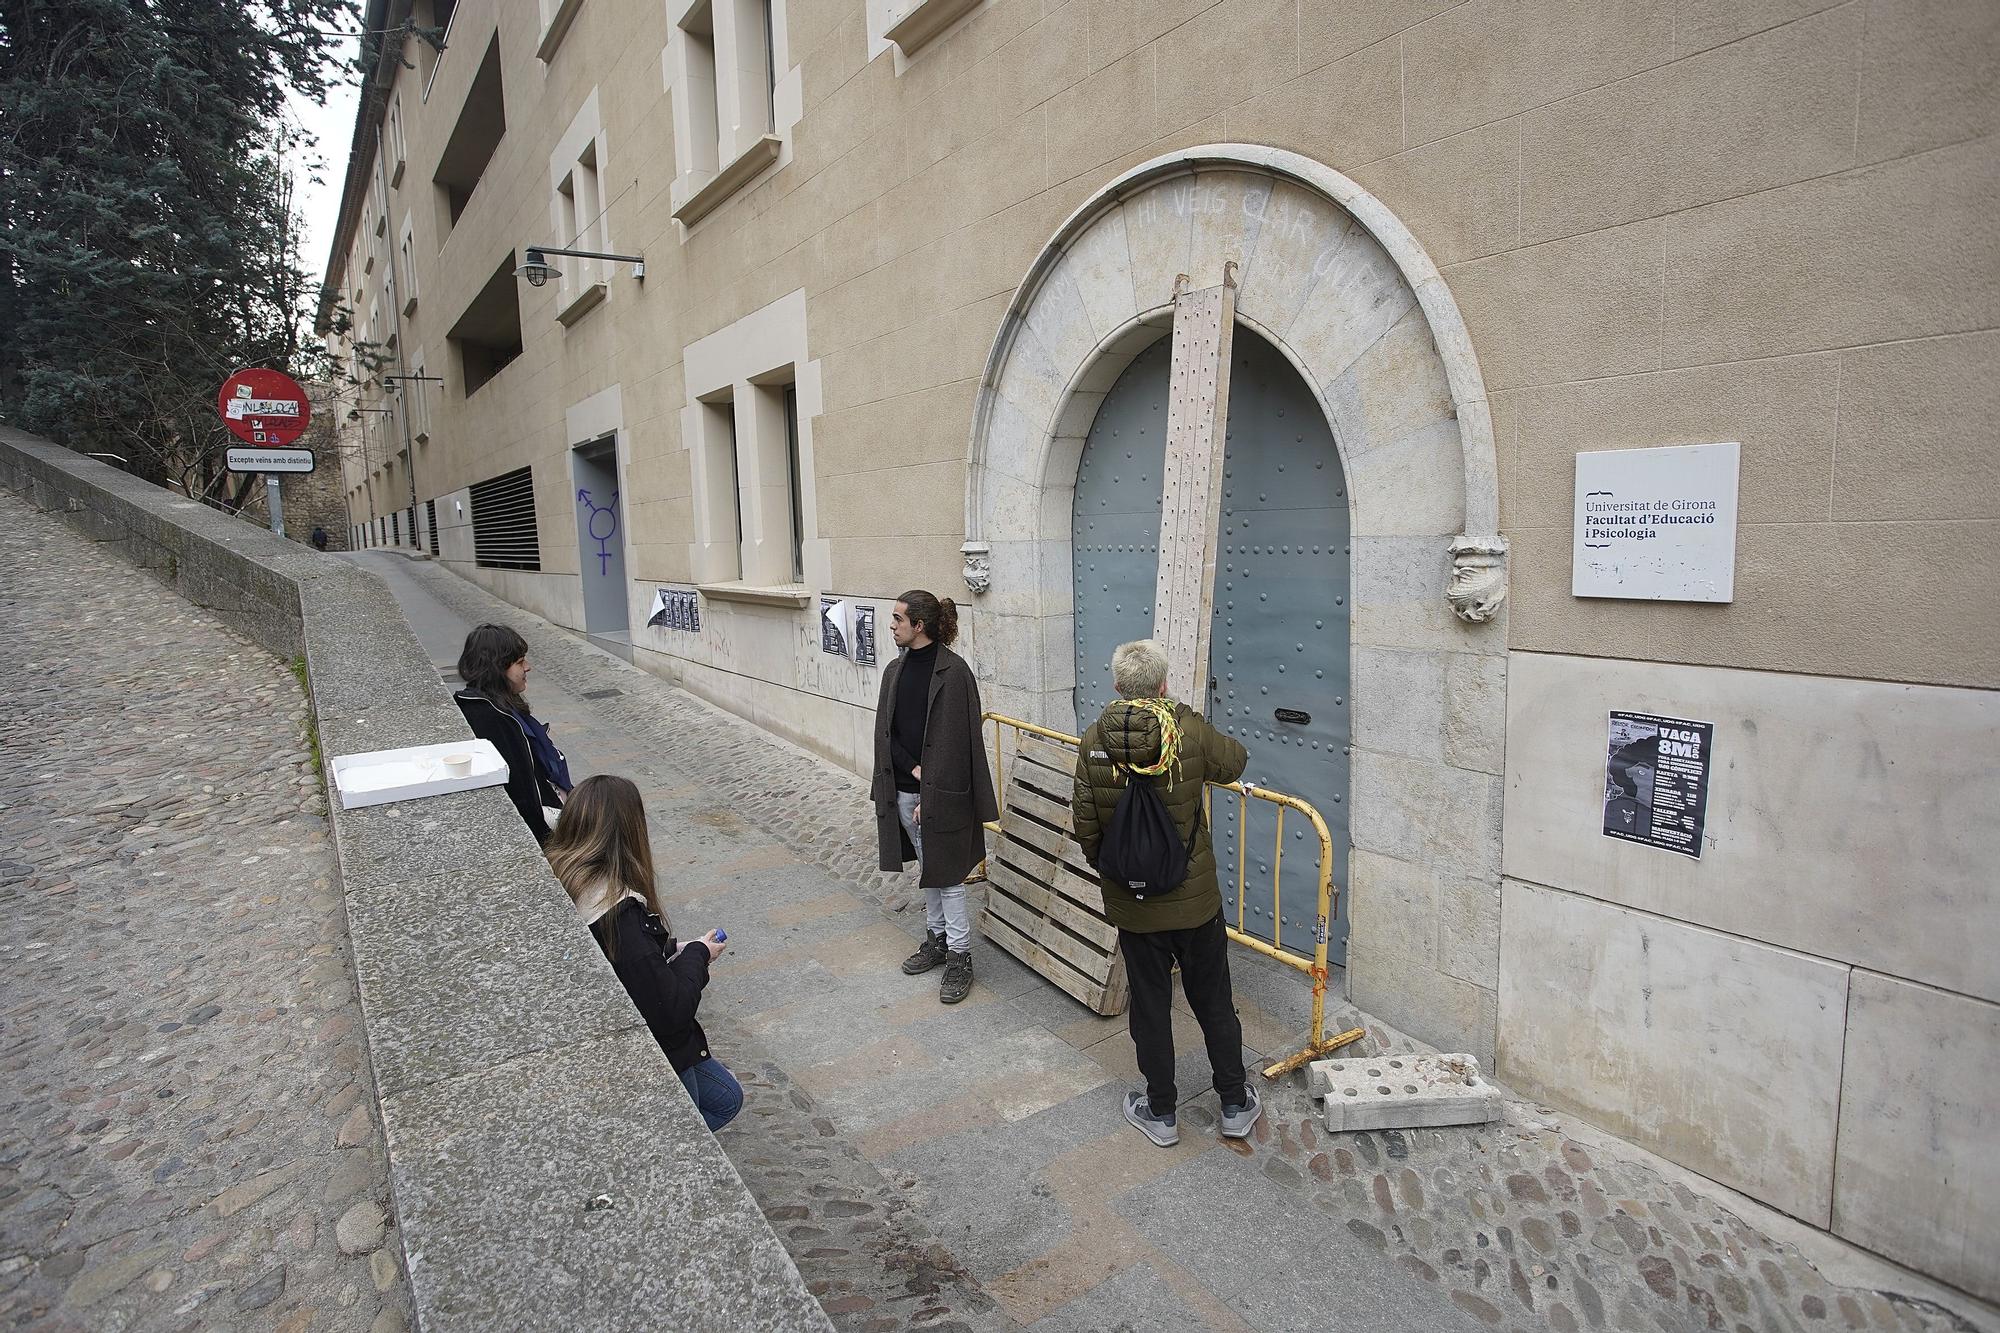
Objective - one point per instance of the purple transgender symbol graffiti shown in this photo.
(601, 532)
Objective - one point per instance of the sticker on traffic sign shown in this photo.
(264, 407)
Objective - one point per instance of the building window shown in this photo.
(557, 15)
(748, 430)
(476, 136)
(582, 206)
(429, 55)
(752, 483)
(792, 473)
(393, 136)
(695, 35)
(408, 249)
(580, 210)
(487, 336)
(504, 531)
(729, 65)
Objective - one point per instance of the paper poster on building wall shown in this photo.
(836, 626)
(1656, 781)
(675, 608)
(864, 634)
(1656, 524)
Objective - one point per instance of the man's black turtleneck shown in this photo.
(913, 706)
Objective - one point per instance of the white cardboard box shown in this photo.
(381, 776)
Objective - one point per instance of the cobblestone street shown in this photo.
(981, 1150)
(186, 1137)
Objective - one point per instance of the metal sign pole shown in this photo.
(276, 502)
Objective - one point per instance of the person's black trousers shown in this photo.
(1203, 954)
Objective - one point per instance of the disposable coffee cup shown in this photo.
(458, 765)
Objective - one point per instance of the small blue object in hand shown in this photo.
(721, 936)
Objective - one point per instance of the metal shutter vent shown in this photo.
(503, 522)
(431, 521)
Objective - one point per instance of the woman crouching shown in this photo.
(604, 858)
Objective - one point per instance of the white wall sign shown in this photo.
(266, 459)
(1656, 524)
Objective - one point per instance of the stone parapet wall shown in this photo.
(516, 1081)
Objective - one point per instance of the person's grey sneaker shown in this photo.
(1161, 1129)
(929, 954)
(957, 978)
(1236, 1120)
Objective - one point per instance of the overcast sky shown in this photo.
(333, 126)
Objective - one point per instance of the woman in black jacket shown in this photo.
(604, 858)
(494, 666)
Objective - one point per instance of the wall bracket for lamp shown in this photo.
(537, 269)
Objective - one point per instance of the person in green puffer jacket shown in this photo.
(1145, 736)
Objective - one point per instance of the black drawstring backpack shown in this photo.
(1141, 849)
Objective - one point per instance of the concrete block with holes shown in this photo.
(1402, 1092)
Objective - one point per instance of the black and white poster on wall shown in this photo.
(864, 634)
(1656, 773)
(836, 625)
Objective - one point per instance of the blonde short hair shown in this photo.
(1139, 668)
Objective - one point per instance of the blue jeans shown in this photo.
(944, 909)
(716, 1093)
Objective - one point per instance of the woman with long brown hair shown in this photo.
(601, 853)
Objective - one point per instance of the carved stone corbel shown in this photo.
(1478, 577)
(978, 566)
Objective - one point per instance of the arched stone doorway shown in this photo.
(1341, 289)
(1277, 675)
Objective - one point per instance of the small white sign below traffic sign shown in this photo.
(253, 459)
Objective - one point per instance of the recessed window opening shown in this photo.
(429, 56)
(487, 336)
(792, 471)
(582, 213)
(729, 436)
(482, 122)
(706, 126)
(770, 63)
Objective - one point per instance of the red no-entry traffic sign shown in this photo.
(264, 407)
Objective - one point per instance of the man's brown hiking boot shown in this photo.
(957, 978)
(931, 953)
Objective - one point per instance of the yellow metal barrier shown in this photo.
(1320, 1044)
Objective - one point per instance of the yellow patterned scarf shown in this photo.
(1170, 736)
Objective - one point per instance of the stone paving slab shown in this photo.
(186, 1137)
(1057, 1211)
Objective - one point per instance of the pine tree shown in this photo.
(148, 244)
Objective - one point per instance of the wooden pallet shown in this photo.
(1043, 902)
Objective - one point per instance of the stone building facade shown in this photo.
(908, 273)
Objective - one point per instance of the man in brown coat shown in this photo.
(1147, 737)
(932, 790)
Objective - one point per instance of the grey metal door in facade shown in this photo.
(600, 540)
(1115, 524)
(1279, 655)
